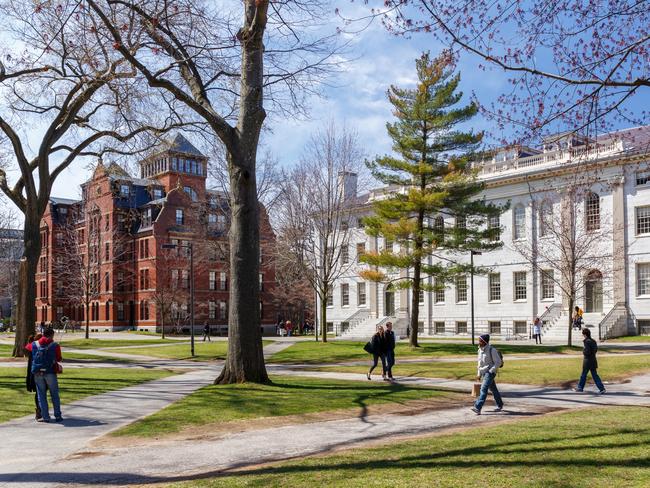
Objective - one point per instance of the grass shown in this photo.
(286, 396)
(340, 351)
(74, 384)
(104, 343)
(596, 448)
(638, 338)
(5, 350)
(203, 351)
(552, 371)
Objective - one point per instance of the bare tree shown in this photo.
(228, 69)
(65, 92)
(317, 203)
(571, 62)
(10, 251)
(572, 244)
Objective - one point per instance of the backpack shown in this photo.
(43, 358)
(500, 355)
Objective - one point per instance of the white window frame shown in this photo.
(345, 294)
(494, 287)
(361, 293)
(546, 283)
(439, 294)
(461, 291)
(643, 279)
(642, 227)
(519, 289)
(519, 222)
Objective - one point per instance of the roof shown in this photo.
(11, 234)
(159, 201)
(63, 201)
(181, 144)
(116, 170)
(136, 181)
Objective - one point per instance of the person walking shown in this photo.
(537, 330)
(489, 362)
(577, 318)
(46, 355)
(390, 349)
(30, 383)
(288, 327)
(589, 363)
(378, 343)
(206, 332)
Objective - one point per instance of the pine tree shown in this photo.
(432, 181)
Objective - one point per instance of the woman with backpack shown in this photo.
(378, 349)
(489, 362)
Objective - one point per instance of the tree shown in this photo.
(69, 97)
(571, 62)
(315, 212)
(10, 251)
(81, 263)
(434, 179)
(223, 73)
(574, 247)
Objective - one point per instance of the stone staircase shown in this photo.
(615, 323)
(364, 329)
(556, 329)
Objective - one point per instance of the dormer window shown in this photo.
(124, 190)
(157, 194)
(146, 218)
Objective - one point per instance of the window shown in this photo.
(388, 244)
(261, 279)
(120, 310)
(345, 225)
(520, 327)
(592, 211)
(212, 282)
(191, 192)
(174, 164)
(329, 300)
(643, 178)
(185, 279)
(519, 222)
(545, 218)
(179, 217)
(439, 230)
(643, 279)
(144, 310)
(212, 219)
(461, 289)
(495, 327)
(345, 254)
(421, 296)
(361, 293)
(223, 281)
(644, 327)
(439, 327)
(439, 293)
(495, 223)
(329, 327)
(461, 222)
(519, 280)
(157, 194)
(212, 310)
(174, 279)
(221, 222)
(345, 294)
(361, 250)
(144, 279)
(107, 281)
(494, 287)
(124, 190)
(107, 251)
(223, 310)
(643, 220)
(547, 284)
(461, 327)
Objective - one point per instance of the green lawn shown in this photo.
(286, 396)
(338, 351)
(74, 384)
(203, 351)
(5, 350)
(103, 343)
(552, 371)
(596, 448)
(639, 338)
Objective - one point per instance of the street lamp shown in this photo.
(472, 253)
(191, 250)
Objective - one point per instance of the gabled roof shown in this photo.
(63, 201)
(181, 144)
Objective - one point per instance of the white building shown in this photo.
(614, 291)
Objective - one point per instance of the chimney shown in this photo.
(348, 184)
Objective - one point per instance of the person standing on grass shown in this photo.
(489, 362)
(378, 342)
(206, 332)
(46, 355)
(589, 363)
(537, 330)
(390, 349)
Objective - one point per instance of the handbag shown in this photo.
(476, 389)
(368, 347)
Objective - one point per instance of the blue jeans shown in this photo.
(390, 362)
(594, 375)
(488, 384)
(46, 382)
(375, 358)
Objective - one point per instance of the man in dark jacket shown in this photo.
(589, 363)
(389, 337)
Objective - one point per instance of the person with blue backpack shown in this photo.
(46, 355)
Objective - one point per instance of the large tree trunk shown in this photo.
(415, 306)
(26, 303)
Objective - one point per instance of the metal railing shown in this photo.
(618, 311)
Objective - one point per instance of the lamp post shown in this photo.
(472, 253)
(190, 248)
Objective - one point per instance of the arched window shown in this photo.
(592, 211)
(545, 218)
(519, 222)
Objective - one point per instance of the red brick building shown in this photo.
(103, 256)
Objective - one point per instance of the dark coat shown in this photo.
(390, 340)
(589, 352)
(378, 344)
(30, 383)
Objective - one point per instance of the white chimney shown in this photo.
(348, 184)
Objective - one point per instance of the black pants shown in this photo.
(390, 362)
(375, 358)
(538, 338)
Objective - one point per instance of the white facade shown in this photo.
(615, 298)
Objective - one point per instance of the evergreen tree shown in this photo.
(432, 182)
